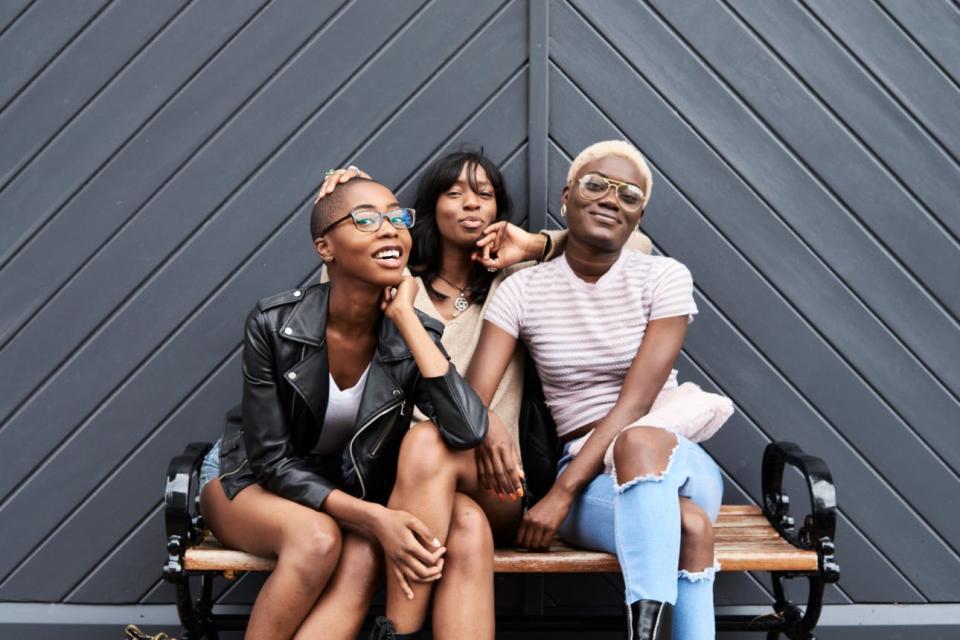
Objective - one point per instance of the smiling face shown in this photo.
(467, 207)
(603, 223)
(375, 257)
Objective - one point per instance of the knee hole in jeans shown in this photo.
(642, 454)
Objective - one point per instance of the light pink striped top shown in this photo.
(583, 337)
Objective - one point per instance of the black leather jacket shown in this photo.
(285, 385)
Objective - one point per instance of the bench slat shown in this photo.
(745, 541)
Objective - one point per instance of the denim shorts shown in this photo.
(210, 468)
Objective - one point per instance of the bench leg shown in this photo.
(798, 623)
(196, 615)
(189, 616)
(205, 607)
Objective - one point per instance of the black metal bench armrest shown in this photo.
(819, 528)
(181, 512)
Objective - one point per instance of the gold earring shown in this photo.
(563, 211)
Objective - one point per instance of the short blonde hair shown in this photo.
(620, 148)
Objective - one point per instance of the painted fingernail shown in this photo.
(500, 495)
(436, 542)
(513, 497)
(520, 492)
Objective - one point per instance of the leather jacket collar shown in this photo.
(307, 324)
(286, 385)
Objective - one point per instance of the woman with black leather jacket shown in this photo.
(331, 376)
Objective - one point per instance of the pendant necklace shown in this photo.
(461, 303)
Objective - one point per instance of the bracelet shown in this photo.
(547, 246)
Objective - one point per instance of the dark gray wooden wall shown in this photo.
(157, 158)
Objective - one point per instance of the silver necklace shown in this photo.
(461, 303)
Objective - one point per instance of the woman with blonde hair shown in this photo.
(605, 327)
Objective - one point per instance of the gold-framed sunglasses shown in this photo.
(371, 221)
(594, 186)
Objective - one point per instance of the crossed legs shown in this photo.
(438, 485)
(652, 468)
(321, 569)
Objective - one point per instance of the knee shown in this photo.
(470, 541)
(423, 452)
(642, 451)
(696, 530)
(312, 545)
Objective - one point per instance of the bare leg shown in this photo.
(428, 476)
(340, 611)
(306, 543)
(463, 602)
(696, 537)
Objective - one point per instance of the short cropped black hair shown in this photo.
(330, 207)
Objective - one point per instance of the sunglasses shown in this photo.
(594, 186)
(372, 220)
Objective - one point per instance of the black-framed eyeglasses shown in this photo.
(372, 220)
(593, 186)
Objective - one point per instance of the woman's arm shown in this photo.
(398, 306)
(407, 541)
(442, 394)
(266, 432)
(499, 464)
(490, 359)
(647, 374)
(504, 244)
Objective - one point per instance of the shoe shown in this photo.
(383, 629)
(645, 618)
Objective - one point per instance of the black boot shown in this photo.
(383, 629)
(645, 618)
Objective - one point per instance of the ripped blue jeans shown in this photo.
(639, 521)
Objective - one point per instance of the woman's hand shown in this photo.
(397, 302)
(499, 466)
(540, 524)
(504, 244)
(416, 554)
(339, 176)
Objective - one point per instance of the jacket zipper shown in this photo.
(235, 471)
(353, 459)
(386, 432)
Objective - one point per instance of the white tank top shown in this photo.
(341, 418)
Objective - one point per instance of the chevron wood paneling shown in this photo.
(155, 174)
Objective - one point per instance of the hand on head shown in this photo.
(339, 176)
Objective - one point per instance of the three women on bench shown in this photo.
(364, 494)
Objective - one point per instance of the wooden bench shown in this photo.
(748, 538)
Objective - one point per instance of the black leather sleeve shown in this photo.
(453, 406)
(266, 431)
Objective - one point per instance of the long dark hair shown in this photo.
(440, 176)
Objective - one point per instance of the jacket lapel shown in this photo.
(307, 325)
(309, 378)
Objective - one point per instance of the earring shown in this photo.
(563, 211)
